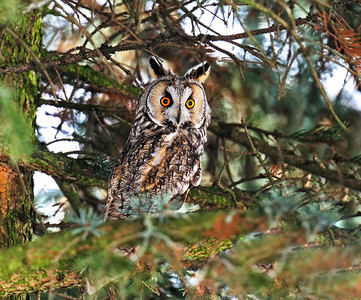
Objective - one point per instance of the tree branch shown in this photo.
(232, 132)
(83, 107)
(49, 279)
(83, 53)
(62, 167)
(47, 252)
(243, 35)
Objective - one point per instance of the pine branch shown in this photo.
(274, 28)
(18, 263)
(232, 132)
(343, 38)
(83, 53)
(44, 263)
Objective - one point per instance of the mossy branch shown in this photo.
(41, 280)
(61, 167)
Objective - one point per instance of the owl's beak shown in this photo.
(178, 116)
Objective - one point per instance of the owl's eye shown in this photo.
(165, 101)
(190, 103)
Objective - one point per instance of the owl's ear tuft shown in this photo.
(157, 68)
(200, 72)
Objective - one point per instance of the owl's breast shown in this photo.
(171, 165)
(155, 172)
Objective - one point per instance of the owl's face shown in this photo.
(177, 100)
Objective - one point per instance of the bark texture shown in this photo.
(20, 43)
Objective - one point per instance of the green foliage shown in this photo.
(278, 203)
(16, 134)
(88, 222)
(9, 10)
(315, 214)
(157, 267)
(321, 134)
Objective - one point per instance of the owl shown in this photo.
(162, 156)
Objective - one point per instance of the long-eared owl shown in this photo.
(162, 157)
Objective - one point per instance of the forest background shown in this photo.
(277, 214)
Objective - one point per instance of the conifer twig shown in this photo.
(256, 152)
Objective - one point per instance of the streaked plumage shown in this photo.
(162, 157)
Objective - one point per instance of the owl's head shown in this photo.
(179, 100)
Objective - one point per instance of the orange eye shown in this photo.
(165, 101)
(190, 103)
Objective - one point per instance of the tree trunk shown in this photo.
(20, 43)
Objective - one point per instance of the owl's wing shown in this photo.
(112, 207)
(196, 180)
(114, 201)
(178, 199)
